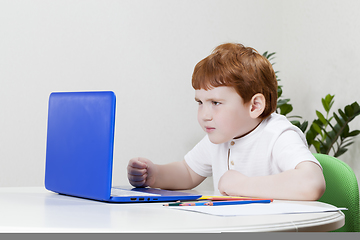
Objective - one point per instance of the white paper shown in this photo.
(276, 207)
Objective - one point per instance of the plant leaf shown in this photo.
(339, 120)
(343, 115)
(330, 98)
(295, 116)
(303, 126)
(279, 91)
(325, 105)
(317, 128)
(355, 107)
(285, 109)
(321, 117)
(348, 144)
(354, 133)
(349, 111)
(324, 147)
(327, 102)
(316, 144)
(340, 152)
(282, 102)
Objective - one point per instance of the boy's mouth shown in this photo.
(209, 129)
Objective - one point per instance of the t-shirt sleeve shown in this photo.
(290, 149)
(199, 158)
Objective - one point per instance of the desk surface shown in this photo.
(37, 210)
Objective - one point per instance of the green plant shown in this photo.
(334, 131)
(328, 134)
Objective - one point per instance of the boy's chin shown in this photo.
(216, 140)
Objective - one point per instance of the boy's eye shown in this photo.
(199, 102)
(216, 103)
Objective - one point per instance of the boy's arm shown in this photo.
(305, 182)
(176, 176)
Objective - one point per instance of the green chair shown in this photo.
(341, 190)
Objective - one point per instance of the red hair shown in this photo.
(242, 68)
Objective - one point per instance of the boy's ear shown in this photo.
(257, 105)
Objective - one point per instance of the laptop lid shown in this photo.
(80, 140)
(79, 151)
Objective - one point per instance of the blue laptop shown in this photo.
(79, 151)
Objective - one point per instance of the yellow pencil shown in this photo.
(227, 198)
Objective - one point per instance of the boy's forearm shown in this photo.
(286, 185)
(174, 176)
(295, 184)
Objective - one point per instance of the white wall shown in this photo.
(320, 54)
(145, 52)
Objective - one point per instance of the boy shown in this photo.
(248, 149)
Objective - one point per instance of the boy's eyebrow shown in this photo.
(210, 100)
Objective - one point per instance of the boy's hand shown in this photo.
(141, 172)
(231, 183)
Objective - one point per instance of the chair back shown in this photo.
(342, 190)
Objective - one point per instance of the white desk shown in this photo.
(38, 210)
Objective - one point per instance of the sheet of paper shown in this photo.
(276, 207)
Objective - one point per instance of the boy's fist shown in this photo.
(141, 172)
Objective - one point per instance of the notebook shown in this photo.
(79, 150)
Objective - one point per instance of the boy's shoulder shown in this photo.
(275, 125)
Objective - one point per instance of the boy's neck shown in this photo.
(256, 125)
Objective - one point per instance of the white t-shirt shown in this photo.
(276, 145)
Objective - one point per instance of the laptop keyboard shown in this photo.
(117, 192)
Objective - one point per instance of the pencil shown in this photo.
(229, 198)
(221, 203)
(194, 204)
(172, 204)
(177, 203)
(218, 203)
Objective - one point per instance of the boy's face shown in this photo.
(223, 114)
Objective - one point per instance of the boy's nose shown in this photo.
(206, 115)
